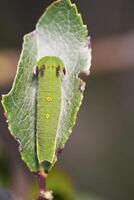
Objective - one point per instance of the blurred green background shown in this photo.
(99, 158)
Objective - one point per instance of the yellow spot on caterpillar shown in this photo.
(47, 116)
(49, 99)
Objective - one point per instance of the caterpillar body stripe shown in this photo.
(49, 99)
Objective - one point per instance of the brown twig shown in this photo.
(44, 194)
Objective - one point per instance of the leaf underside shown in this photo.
(59, 32)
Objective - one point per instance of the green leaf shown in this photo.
(61, 185)
(59, 32)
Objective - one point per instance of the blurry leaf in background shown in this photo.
(61, 184)
(5, 168)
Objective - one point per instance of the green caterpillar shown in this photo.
(49, 100)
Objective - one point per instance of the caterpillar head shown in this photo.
(50, 62)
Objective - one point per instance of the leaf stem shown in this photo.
(43, 193)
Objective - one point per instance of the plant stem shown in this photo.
(42, 184)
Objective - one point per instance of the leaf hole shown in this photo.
(83, 78)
